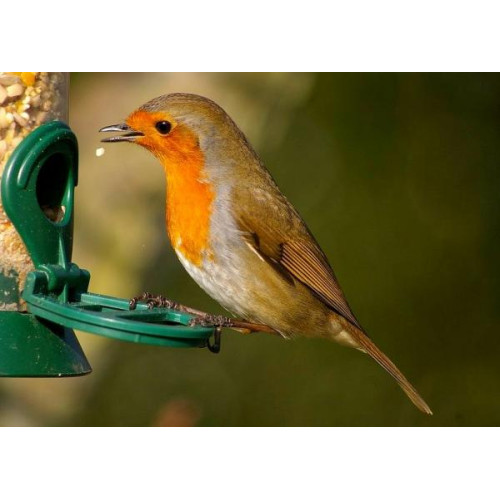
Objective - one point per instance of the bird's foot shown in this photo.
(154, 301)
(200, 318)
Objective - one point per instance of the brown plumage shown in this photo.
(286, 240)
(246, 246)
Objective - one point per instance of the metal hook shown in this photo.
(215, 347)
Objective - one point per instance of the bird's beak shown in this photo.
(129, 136)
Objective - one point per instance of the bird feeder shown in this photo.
(43, 294)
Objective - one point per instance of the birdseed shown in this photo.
(27, 100)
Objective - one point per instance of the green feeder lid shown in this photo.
(38, 196)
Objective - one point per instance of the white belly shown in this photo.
(219, 281)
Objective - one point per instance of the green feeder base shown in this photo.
(38, 348)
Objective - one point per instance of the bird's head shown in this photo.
(180, 128)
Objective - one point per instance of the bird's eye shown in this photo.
(163, 127)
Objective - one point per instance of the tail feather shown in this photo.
(370, 348)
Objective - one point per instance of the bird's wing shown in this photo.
(282, 238)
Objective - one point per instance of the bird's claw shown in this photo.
(153, 301)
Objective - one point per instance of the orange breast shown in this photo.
(189, 200)
(189, 205)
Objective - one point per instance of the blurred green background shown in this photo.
(397, 176)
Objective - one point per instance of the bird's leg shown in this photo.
(242, 326)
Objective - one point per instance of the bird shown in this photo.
(235, 232)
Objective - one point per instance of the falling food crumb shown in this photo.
(99, 151)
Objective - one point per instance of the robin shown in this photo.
(236, 234)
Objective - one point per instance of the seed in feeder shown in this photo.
(7, 80)
(99, 151)
(3, 94)
(15, 90)
(20, 120)
(28, 78)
